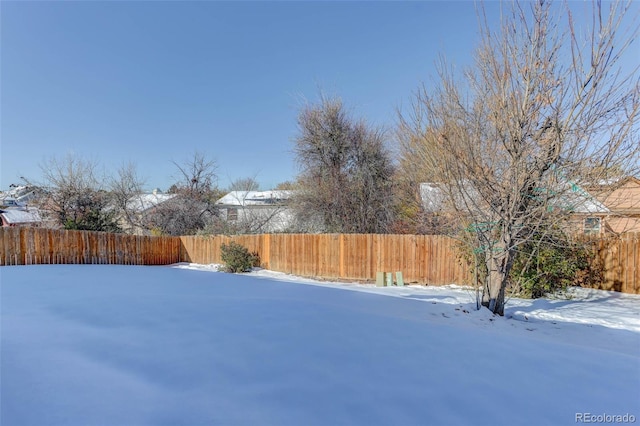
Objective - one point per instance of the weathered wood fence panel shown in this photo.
(619, 258)
(27, 246)
(425, 259)
(428, 259)
(421, 258)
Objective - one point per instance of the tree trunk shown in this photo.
(493, 295)
(499, 264)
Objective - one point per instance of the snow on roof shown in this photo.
(14, 191)
(254, 198)
(18, 191)
(19, 215)
(11, 202)
(614, 181)
(143, 202)
(580, 201)
(18, 195)
(574, 199)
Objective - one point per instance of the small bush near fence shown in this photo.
(237, 258)
(550, 264)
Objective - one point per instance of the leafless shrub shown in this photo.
(346, 171)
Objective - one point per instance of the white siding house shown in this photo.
(140, 207)
(257, 211)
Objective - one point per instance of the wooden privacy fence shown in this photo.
(425, 259)
(28, 246)
(619, 259)
(421, 258)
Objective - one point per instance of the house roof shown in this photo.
(11, 202)
(15, 216)
(575, 199)
(254, 198)
(618, 181)
(19, 195)
(144, 202)
(621, 196)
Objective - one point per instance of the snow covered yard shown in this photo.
(130, 345)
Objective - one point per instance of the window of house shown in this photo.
(592, 225)
(232, 214)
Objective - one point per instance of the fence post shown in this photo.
(341, 272)
(266, 250)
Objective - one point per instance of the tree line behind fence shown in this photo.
(425, 259)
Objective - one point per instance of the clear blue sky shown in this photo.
(152, 82)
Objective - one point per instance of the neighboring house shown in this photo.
(18, 196)
(20, 216)
(15, 209)
(622, 198)
(587, 214)
(11, 202)
(257, 211)
(145, 202)
(141, 206)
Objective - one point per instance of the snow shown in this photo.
(143, 202)
(21, 215)
(254, 198)
(184, 344)
(17, 195)
(571, 197)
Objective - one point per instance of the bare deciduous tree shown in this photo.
(245, 184)
(75, 196)
(193, 207)
(411, 173)
(346, 171)
(197, 176)
(287, 186)
(545, 109)
(126, 190)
